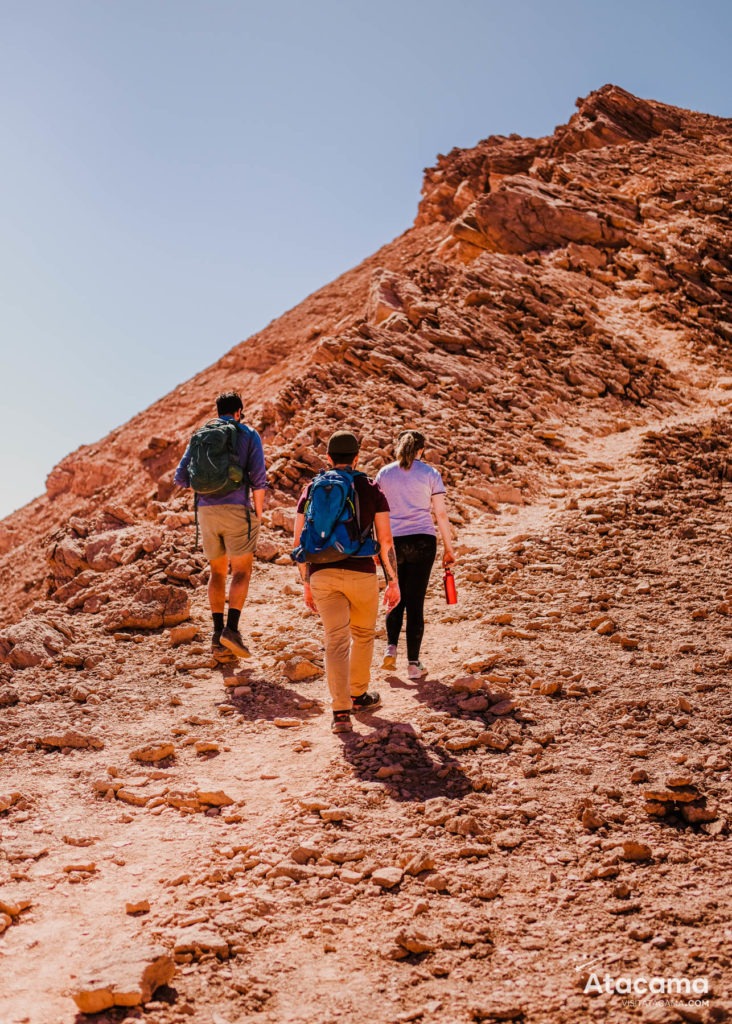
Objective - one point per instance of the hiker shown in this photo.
(337, 565)
(415, 492)
(223, 460)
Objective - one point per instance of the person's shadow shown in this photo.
(423, 770)
(443, 698)
(267, 699)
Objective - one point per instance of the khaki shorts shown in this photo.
(227, 530)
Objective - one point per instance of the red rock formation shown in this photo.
(487, 322)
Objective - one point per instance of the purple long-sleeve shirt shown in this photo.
(251, 459)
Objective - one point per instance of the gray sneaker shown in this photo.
(390, 657)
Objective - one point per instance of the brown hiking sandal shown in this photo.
(231, 639)
(341, 722)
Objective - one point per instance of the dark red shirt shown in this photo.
(371, 499)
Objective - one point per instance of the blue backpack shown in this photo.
(332, 528)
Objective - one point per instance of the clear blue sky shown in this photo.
(176, 173)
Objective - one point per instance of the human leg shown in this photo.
(362, 590)
(217, 570)
(241, 574)
(335, 612)
(422, 557)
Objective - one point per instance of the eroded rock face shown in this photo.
(528, 214)
(612, 116)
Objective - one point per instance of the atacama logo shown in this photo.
(642, 986)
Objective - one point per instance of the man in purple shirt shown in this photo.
(230, 527)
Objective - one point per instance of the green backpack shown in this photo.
(214, 468)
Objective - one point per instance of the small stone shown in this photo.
(71, 740)
(7, 800)
(639, 775)
(351, 877)
(182, 634)
(14, 908)
(287, 723)
(695, 815)
(304, 852)
(591, 819)
(493, 740)
(206, 747)
(297, 872)
(213, 797)
(298, 669)
(201, 939)
(680, 795)
(387, 877)
(509, 839)
(141, 907)
(497, 1009)
(476, 703)
(420, 862)
(8, 696)
(636, 851)
(680, 781)
(335, 814)
(550, 687)
(153, 752)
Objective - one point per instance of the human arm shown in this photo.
(303, 567)
(258, 499)
(181, 478)
(443, 525)
(382, 525)
(256, 471)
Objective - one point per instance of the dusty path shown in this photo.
(516, 886)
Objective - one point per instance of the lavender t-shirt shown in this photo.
(409, 493)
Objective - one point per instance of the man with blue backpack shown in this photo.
(223, 461)
(336, 552)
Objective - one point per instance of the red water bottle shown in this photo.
(450, 588)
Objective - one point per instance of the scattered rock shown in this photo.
(182, 634)
(153, 752)
(129, 978)
(72, 740)
(387, 877)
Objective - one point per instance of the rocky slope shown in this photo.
(558, 323)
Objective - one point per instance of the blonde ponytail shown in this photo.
(408, 445)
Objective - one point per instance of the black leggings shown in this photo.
(415, 555)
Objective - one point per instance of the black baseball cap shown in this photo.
(343, 442)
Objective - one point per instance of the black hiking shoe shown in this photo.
(366, 702)
(216, 646)
(341, 721)
(231, 639)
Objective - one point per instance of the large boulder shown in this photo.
(126, 979)
(153, 606)
(32, 641)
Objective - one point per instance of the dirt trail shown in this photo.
(181, 863)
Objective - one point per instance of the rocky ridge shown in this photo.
(557, 322)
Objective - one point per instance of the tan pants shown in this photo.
(348, 603)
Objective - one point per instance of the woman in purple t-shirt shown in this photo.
(415, 492)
